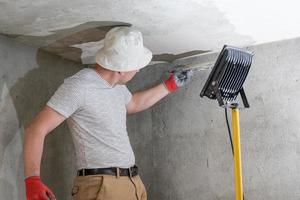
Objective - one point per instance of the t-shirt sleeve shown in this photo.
(127, 95)
(68, 98)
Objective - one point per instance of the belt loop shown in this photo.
(118, 172)
(83, 172)
(130, 172)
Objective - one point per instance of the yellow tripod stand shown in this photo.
(224, 84)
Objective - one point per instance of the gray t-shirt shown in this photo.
(96, 114)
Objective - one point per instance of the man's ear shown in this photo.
(121, 73)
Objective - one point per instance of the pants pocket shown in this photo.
(100, 191)
(141, 188)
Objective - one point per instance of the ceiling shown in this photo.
(171, 28)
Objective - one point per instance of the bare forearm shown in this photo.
(147, 98)
(33, 149)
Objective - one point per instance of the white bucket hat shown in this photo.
(123, 50)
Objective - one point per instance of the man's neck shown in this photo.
(105, 74)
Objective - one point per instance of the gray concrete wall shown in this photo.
(182, 143)
(28, 78)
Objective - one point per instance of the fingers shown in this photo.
(185, 75)
(43, 197)
(181, 76)
(50, 194)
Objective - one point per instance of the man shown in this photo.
(95, 102)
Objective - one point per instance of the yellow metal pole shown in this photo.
(237, 154)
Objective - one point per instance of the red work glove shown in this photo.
(36, 190)
(178, 78)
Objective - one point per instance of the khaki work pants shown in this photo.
(108, 187)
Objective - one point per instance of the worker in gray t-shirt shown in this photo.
(95, 102)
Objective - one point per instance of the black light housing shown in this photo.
(226, 79)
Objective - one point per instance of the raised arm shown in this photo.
(142, 100)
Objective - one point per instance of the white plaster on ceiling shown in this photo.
(169, 26)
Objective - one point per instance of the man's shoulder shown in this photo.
(81, 76)
(86, 78)
(73, 82)
(83, 73)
